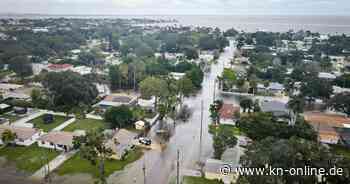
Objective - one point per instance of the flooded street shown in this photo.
(161, 164)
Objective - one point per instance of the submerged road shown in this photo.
(161, 164)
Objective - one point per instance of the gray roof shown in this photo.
(276, 86)
(274, 106)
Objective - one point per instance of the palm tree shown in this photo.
(296, 105)
(246, 104)
(8, 136)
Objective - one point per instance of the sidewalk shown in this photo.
(63, 125)
(55, 163)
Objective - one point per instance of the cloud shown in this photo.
(176, 6)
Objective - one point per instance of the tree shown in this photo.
(191, 53)
(223, 138)
(38, 100)
(214, 111)
(296, 104)
(258, 126)
(21, 66)
(120, 117)
(343, 81)
(185, 87)
(231, 32)
(196, 75)
(341, 102)
(246, 104)
(152, 86)
(68, 90)
(8, 137)
(285, 153)
(93, 148)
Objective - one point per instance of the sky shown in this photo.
(178, 7)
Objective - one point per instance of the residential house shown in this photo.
(121, 143)
(62, 141)
(277, 108)
(140, 125)
(331, 128)
(14, 91)
(176, 75)
(229, 114)
(147, 104)
(59, 67)
(115, 100)
(24, 136)
(326, 76)
(82, 70)
(273, 88)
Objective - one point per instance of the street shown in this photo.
(160, 165)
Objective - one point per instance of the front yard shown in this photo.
(341, 150)
(87, 125)
(12, 117)
(199, 180)
(76, 164)
(40, 124)
(29, 159)
(235, 130)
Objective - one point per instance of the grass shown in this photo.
(29, 159)
(235, 130)
(199, 180)
(87, 125)
(39, 122)
(12, 118)
(76, 164)
(341, 150)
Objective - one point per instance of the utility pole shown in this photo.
(201, 133)
(178, 168)
(214, 90)
(144, 171)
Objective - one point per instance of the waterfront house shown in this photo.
(121, 143)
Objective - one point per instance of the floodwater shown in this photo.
(160, 165)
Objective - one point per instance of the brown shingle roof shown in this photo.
(21, 132)
(62, 138)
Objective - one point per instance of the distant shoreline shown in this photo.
(324, 24)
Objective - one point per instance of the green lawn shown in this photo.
(87, 125)
(340, 150)
(76, 164)
(29, 159)
(39, 122)
(234, 129)
(199, 180)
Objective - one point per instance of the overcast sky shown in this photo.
(132, 7)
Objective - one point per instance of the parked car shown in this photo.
(146, 141)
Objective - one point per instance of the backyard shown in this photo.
(199, 180)
(39, 122)
(29, 159)
(76, 164)
(87, 125)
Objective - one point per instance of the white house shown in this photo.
(327, 76)
(140, 125)
(177, 76)
(121, 142)
(147, 104)
(82, 70)
(24, 136)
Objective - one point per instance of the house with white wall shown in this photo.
(24, 136)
